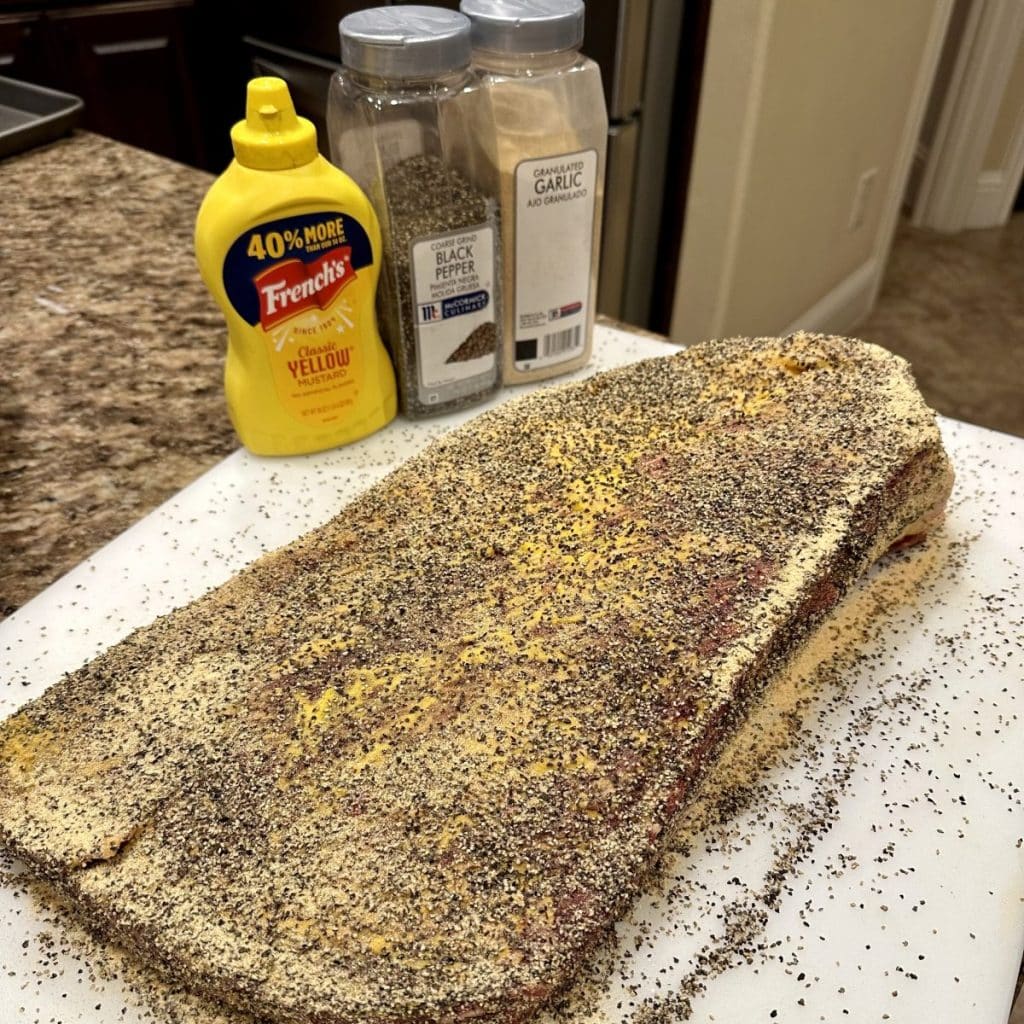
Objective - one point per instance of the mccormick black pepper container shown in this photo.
(404, 119)
(290, 249)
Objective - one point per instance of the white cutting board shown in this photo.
(875, 871)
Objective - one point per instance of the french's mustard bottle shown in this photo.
(290, 247)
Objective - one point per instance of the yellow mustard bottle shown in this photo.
(290, 247)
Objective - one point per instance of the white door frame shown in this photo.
(956, 191)
(724, 154)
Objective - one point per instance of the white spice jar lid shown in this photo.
(525, 26)
(413, 41)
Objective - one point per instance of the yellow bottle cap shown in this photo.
(272, 137)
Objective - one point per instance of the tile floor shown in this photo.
(954, 306)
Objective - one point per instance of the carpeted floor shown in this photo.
(954, 306)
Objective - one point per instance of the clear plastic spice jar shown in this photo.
(404, 121)
(550, 141)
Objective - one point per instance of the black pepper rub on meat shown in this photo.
(412, 766)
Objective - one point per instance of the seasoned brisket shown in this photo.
(412, 766)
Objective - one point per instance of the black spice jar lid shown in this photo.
(525, 26)
(407, 42)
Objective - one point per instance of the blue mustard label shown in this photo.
(281, 268)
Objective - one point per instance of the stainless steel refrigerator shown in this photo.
(637, 45)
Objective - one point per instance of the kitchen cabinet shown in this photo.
(304, 51)
(130, 63)
(21, 49)
(140, 67)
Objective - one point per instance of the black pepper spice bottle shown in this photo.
(404, 119)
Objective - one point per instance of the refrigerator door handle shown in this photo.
(630, 59)
(620, 178)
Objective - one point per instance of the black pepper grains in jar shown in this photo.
(405, 120)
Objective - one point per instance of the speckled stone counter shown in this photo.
(112, 352)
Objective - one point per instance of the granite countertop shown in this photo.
(111, 395)
(110, 386)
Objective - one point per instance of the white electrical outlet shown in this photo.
(861, 195)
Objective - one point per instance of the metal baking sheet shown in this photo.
(31, 115)
(872, 871)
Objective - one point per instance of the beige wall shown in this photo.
(1008, 118)
(800, 97)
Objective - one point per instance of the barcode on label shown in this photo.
(561, 341)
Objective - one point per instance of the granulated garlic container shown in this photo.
(548, 158)
(404, 119)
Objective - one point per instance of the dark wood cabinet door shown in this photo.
(130, 63)
(22, 54)
(313, 30)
